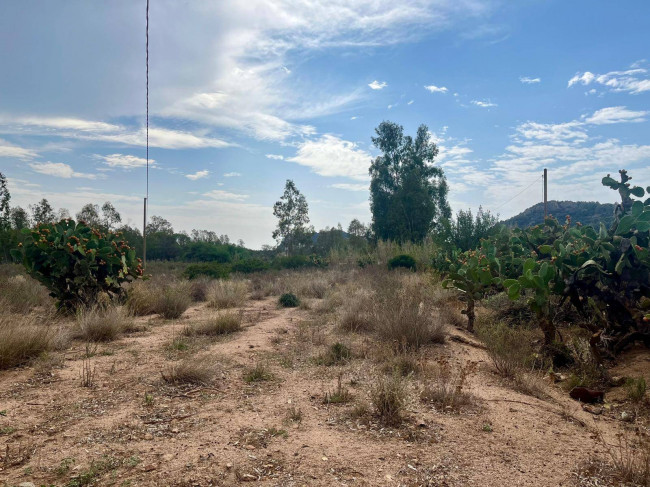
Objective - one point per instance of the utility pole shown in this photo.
(144, 236)
(545, 194)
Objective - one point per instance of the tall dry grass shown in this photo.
(168, 298)
(23, 338)
(21, 294)
(101, 324)
(223, 294)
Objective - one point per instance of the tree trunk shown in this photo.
(471, 316)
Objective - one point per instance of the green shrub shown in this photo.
(336, 354)
(77, 263)
(214, 270)
(298, 262)
(289, 300)
(635, 389)
(403, 260)
(248, 266)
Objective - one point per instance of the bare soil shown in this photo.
(132, 428)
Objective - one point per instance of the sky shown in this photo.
(244, 95)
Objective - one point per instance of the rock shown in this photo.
(26, 484)
(557, 377)
(585, 395)
(627, 416)
(595, 410)
(617, 381)
(228, 466)
(248, 478)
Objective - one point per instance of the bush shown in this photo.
(335, 355)
(248, 266)
(77, 263)
(219, 325)
(214, 270)
(289, 300)
(100, 325)
(141, 298)
(388, 396)
(227, 294)
(298, 262)
(635, 389)
(403, 260)
(173, 299)
(22, 339)
(259, 373)
(199, 289)
(190, 371)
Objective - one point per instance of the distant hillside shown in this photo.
(585, 212)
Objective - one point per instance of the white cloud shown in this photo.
(232, 175)
(376, 85)
(484, 103)
(277, 157)
(410, 102)
(13, 151)
(220, 195)
(79, 129)
(332, 156)
(198, 175)
(353, 118)
(124, 161)
(529, 81)
(632, 81)
(619, 114)
(436, 89)
(351, 186)
(59, 170)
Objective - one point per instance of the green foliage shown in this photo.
(604, 274)
(214, 270)
(77, 263)
(248, 266)
(292, 213)
(408, 194)
(298, 262)
(403, 260)
(289, 300)
(586, 212)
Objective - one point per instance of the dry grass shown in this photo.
(509, 349)
(258, 373)
(447, 389)
(199, 289)
(356, 313)
(101, 324)
(404, 314)
(222, 324)
(22, 338)
(168, 299)
(389, 396)
(21, 294)
(227, 294)
(192, 370)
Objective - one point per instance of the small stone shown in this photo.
(595, 410)
(228, 466)
(617, 381)
(148, 436)
(26, 484)
(324, 459)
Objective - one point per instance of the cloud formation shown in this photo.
(331, 156)
(436, 89)
(634, 81)
(198, 175)
(59, 170)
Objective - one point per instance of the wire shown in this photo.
(147, 48)
(504, 204)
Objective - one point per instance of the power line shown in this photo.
(504, 204)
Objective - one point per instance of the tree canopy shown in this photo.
(408, 194)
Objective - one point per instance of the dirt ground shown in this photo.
(132, 428)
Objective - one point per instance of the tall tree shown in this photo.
(19, 218)
(89, 214)
(42, 212)
(408, 194)
(110, 216)
(292, 213)
(5, 210)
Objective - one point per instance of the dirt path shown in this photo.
(132, 429)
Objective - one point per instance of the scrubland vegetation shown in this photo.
(455, 336)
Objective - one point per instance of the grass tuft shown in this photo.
(22, 339)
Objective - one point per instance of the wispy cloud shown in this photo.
(377, 85)
(632, 81)
(218, 194)
(483, 103)
(232, 175)
(351, 186)
(59, 170)
(436, 89)
(124, 161)
(277, 157)
(529, 81)
(610, 115)
(10, 150)
(198, 175)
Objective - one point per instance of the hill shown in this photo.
(585, 212)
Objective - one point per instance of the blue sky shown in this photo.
(244, 95)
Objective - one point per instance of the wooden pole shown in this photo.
(545, 193)
(144, 236)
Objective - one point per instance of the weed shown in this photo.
(22, 338)
(487, 427)
(635, 389)
(336, 354)
(340, 395)
(447, 389)
(258, 373)
(227, 294)
(199, 371)
(294, 415)
(87, 373)
(388, 396)
(100, 324)
(223, 324)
